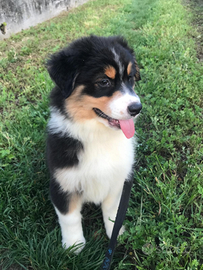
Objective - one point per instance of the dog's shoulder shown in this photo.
(62, 148)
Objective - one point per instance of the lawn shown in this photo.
(164, 223)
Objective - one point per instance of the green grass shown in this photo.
(165, 218)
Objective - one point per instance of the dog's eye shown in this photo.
(105, 83)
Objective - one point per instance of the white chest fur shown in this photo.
(104, 164)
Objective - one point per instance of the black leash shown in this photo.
(123, 205)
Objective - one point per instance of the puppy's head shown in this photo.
(96, 77)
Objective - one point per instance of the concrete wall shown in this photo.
(21, 14)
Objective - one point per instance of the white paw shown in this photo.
(78, 244)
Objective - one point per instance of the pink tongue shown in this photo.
(127, 127)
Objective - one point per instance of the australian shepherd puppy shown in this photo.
(90, 146)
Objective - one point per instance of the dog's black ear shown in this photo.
(137, 74)
(122, 41)
(63, 69)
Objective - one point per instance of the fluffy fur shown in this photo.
(88, 155)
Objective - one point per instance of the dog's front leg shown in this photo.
(109, 210)
(71, 226)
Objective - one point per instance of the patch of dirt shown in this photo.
(196, 6)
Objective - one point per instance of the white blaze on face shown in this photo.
(119, 104)
(119, 110)
(116, 57)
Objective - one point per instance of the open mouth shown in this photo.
(127, 126)
(112, 122)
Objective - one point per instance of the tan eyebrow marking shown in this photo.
(129, 68)
(110, 72)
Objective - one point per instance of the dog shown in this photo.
(90, 145)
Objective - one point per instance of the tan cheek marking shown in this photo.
(129, 68)
(76, 107)
(102, 103)
(80, 107)
(110, 72)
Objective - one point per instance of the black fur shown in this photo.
(62, 152)
(57, 100)
(73, 65)
(59, 198)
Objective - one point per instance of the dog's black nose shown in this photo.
(134, 108)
